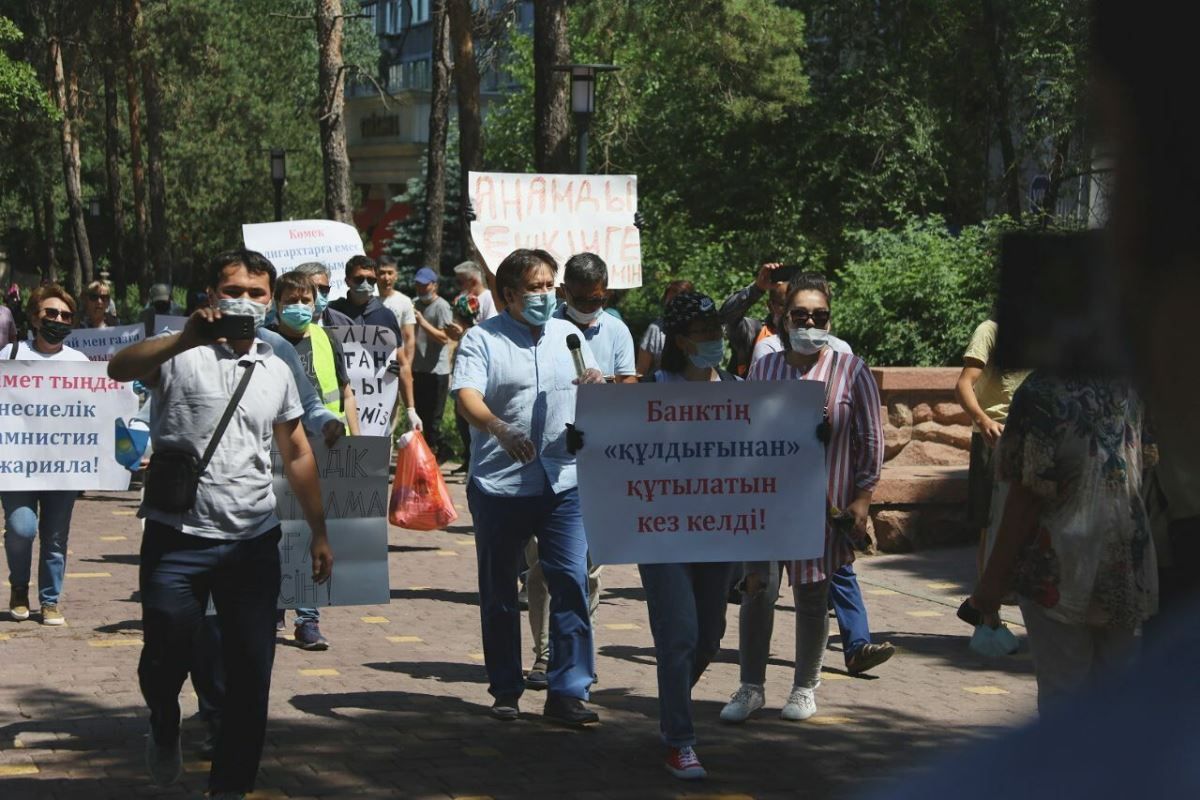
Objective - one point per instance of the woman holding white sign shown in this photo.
(27, 515)
(686, 602)
(853, 435)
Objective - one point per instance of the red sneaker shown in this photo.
(683, 764)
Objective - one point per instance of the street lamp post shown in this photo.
(278, 175)
(583, 104)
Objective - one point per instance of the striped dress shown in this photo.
(855, 453)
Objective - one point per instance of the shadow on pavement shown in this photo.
(439, 595)
(441, 671)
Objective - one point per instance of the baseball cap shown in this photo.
(160, 292)
(425, 275)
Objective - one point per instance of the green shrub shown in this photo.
(913, 296)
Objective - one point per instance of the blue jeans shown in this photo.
(304, 615)
(686, 603)
(502, 527)
(846, 598)
(26, 514)
(177, 574)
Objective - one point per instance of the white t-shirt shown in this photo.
(25, 352)
(487, 306)
(401, 305)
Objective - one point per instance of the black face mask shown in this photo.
(162, 306)
(54, 331)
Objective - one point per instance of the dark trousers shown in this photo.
(429, 398)
(464, 433)
(178, 573)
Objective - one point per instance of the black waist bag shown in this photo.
(173, 476)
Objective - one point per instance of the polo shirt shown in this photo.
(526, 378)
(235, 500)
(611, 343)
(431, 355)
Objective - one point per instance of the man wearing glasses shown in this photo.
(362, 305)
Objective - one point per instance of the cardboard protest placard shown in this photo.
(100, 344)
(294, 242)
(562, 214)
(57, 426)
(164, 323)
(702, 472)
(354, 494)
(368, 350)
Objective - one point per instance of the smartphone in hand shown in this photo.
(230, 327)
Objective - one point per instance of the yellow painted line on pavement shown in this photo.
(623, 626)
(715, 796)
(13, 770)
(475, 656)
(446, 553)
(116, 642)
(78, 575)
(266, 794)
(113, 538)
(326, 672)
(985, 690)
(124, 513)
(830, 720)
(472, 797)
(882, 592)
(945, 586)
(924, 614)
(197, 766)
(405, 639)
(834, 676)
(482, 752)
(376, 620)
(418, 588)
(4, 636)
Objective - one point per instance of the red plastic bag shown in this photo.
(420, 501)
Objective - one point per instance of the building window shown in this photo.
(420, 11)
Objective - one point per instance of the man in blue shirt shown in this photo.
(514, 380)
(584, 287)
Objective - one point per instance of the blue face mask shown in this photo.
(322, 301)
(297, 316)
(539, 308)
(808, 341)
(708, 355)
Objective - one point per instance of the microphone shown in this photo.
(574, 345)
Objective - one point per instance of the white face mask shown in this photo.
(582, 317)
(244, 306)
(807, 341)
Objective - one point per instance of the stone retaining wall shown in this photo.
(921, 501)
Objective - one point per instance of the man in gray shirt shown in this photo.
(226, 544)
(431, 362)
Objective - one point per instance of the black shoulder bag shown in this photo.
(173, 476)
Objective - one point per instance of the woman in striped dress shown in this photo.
(854, 457)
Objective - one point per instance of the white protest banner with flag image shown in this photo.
(369, 349)
(702, 471)
(289, 244)
(354, 495)
(58, 426)
(562, 214)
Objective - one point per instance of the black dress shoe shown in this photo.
(537, 678)
(506, 709)
(569, 711)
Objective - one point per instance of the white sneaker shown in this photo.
(801, 704)
(745, 701)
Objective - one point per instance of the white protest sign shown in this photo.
(368, 350)
(289, 244)
(701, 472)
(57, 426)
(354, 494)
(563, 214)
(168, 322)
(99, 344)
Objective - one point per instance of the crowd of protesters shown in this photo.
(1055, 479)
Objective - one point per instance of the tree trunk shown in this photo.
(1012, 169)
(334, 159)
(112, 168)
(159, 255)
(470, 117)
(44, 221)
(439, 123)
(133, 94)
(551, 90)
(87, 266)
(81, 264)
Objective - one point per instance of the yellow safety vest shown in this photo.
(323, 366)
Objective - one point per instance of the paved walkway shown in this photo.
(397, 707)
